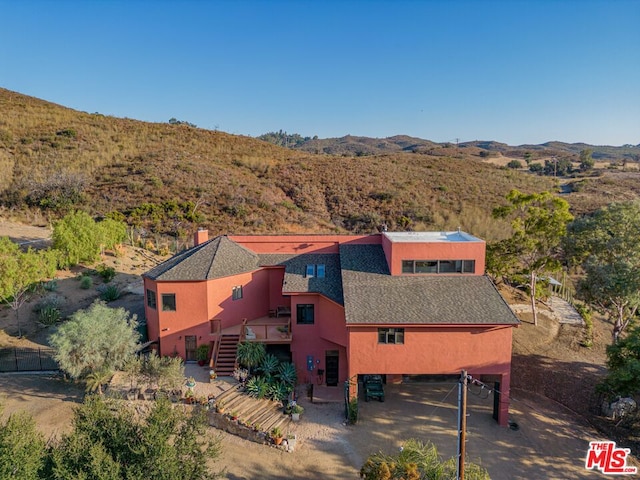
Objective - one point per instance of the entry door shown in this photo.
(332, 367)
(190, 348)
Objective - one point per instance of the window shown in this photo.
(391, 335)
(438, 266)
(236, 293)
(151, 299)
(304, 313)
(168, 302)
(315, 270)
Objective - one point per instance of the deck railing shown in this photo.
(266, 331)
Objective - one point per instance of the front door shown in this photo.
(190, 348)
(331, 362)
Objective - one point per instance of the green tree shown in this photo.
(539, 222)
(623, 361)
(417, 461)
(251, 354)
(111, 440)
(20, 273)
(515, 164)
(606, 245)
(586, 162)
(77, 239)
(110, 233)
(22, 448)
(99, 338)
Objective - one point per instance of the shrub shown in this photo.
(353, 411)
(86, 282)
(49, 315)
(50, 286)
(109, 293)
(105, 272)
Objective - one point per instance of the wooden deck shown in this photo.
(265, 329)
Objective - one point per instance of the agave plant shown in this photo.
(258, 387)
(269, 365)
(279, 391)
(287, 373)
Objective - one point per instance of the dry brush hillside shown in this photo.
(170, 177)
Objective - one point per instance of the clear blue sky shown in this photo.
(512, 71)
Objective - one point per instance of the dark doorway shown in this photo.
(332, 367)
(190, 348)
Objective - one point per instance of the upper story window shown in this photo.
(305, 313)
(151, 299)
(315, 270)
(438, 266)
(168, 302)
(236, 293)
(391, 335)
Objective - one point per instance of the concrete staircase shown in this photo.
(262, 414)
(225, 361)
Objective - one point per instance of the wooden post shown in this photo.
(462, 422)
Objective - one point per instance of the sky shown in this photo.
(513, 71)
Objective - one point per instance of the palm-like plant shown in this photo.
(251, 354)
(96, 379)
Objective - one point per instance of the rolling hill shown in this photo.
(168, 178)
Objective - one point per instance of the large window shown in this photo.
(304, 313)
(168, 302)
(391, 335)
(151, 299)
(438, 266)
(236, 294)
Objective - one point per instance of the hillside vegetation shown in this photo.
(166, 178)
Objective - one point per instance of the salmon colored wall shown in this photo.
(253, 304)
(299, 243)
(330, 320)
(398, 251)
(173, 326)
(276, 277)
(306, 340)
(435, 350)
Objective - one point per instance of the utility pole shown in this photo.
(462, 422)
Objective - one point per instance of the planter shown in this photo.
(133, 394)
(295, 417)
(277, 440)
(149, 394)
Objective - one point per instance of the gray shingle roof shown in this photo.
(295, 280)
(371, 295)
(219, 257)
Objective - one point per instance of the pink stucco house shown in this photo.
(338, 306)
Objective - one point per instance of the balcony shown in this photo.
(271, 330)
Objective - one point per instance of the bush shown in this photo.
(50, 286)
(49, 316)
(353, 411)
(86, 282)
(109, 293)
(105, 272)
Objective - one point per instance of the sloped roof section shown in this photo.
(372, 296)
(295, 279)
(219, 257)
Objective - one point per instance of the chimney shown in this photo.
(200, 237)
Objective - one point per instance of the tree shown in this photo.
(623, 361)
(20, 272)
(112, 440)
(80, 239)
(606, 245)
(96, 339)
(251, 354)
(76, 238)
(22, 448)
(416, 461)
(515, 164)
(586, 162)
(539, 222)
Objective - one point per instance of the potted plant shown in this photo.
(296, 410)
(212, 375)
(234, 416)
(284, 331)
(191, 382)
(220, 406)
(277, 435)
(189, 397)
(202, 354)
